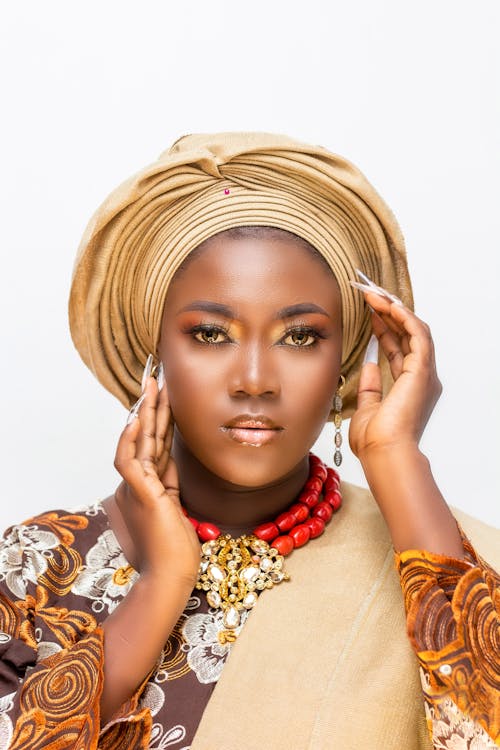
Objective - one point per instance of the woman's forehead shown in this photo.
(276, 271)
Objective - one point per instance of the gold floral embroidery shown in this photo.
(123, 575)
(67, 625)
(67, 685)
(173, 660)
(62, 569)
(133, 733)
(62, 526)
(454, 624)
(11, 617)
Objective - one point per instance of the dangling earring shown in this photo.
(337, 420)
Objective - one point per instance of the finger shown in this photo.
(391, 346)
(370, 385)
(167, 447)
(127, 443)
(170, 435)
(379, 304)
(418, 333)
(383, 308)
(126, 462)
(170, 480)
(403, 321)
(396, 328)
(162, 420)
(392, 324)
(398, 316)
(146, 441)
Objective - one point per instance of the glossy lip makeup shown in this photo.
(252, 430)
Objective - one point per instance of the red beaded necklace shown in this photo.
(233, 571)
(303, 520)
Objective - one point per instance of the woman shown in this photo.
(232, 263)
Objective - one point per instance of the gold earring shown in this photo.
(337, 420)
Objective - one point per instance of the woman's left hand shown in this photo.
(385, 432)
(399, 419)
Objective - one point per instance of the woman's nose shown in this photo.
(254, 373)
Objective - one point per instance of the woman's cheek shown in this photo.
(314, 387)
(192, 386)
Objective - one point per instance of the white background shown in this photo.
(92, 91)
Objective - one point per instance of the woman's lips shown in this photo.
(253, 431)
(251, 436)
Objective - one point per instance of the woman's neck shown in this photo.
(233, 508)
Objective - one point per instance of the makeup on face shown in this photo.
(251, 342)
(218, 324)
(254, 430)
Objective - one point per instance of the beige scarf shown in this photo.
(201, 186)
(324, 661)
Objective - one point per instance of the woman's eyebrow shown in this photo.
(207, 306)
(301, 309)
(216, 307)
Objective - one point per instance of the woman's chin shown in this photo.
(251, 467)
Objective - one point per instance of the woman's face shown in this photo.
(251, 343)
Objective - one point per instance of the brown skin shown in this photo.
(285, 368)
(253, 359)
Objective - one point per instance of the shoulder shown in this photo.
(357, 533)
(484, 538)
(361, 515)
(56, 527)
(49, 548)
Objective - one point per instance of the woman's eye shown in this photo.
(299, 338)
(210, 335)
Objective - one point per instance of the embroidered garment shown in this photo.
(460, 664)
(62, 573)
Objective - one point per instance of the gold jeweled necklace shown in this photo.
(234, 571)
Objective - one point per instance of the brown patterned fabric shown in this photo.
(453, 616)
(62, 573)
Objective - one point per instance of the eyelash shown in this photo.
(210, 328)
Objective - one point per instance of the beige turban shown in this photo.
(203, 185)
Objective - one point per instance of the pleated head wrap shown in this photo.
(203, 185)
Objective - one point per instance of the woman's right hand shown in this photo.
(166, 545)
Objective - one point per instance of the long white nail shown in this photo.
(134, 411)
(374, 289)
(371, 354)
(380, 289)
(395, 299)
(160, 378)
(365, 278)
(147, 371)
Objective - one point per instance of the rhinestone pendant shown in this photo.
(232, 572)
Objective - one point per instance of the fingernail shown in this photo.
(160, 378)
(147, 371)
(371, 354)
(365, 278)
(374, 289)
(395, 299)
(134, 411)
